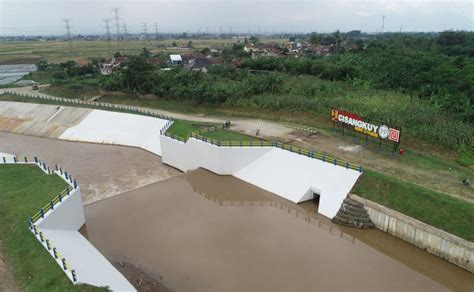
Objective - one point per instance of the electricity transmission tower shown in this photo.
(117, 28)
(107, 29)
(124, 29)
(145, 31)
(156, 31)
(67, 22)
(383, 22)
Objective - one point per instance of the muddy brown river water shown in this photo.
(203, 232)
(101, 170)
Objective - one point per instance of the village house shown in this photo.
(176, 60)
(107, 67)
(199, 64)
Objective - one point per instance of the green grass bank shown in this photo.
(23, 189)
(441, 211)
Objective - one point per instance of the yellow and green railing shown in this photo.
(262, 143)
(54, 252)
(72, 186)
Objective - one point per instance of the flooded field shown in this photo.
(101, 170)
(204, 232)
(12, 73)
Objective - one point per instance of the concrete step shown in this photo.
(353, 203)
(353, 214)
(349, 217)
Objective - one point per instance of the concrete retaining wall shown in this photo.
(66, 216)
(435, 241)
(284, 173)
(195, 153)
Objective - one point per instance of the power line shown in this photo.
(69, 37)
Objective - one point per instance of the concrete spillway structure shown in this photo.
(289, 175)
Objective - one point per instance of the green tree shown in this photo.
(145, 53)
(254, 40)
(42, 65)
(315, 39)
(137, 74)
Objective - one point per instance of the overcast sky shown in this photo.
(45, 16)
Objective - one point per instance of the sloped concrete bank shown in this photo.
(454, 249)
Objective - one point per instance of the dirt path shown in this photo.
(444, 179)
(7, 282)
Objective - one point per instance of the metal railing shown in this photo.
(263, 143)
(93, 104)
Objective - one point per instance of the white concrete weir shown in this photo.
(287, 174)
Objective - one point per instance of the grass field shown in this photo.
(23, 189)
(83, 51)
(441, 211)
(184, 128)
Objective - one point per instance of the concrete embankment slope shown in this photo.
(118, 128)
(39, 120)
(84, 125)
